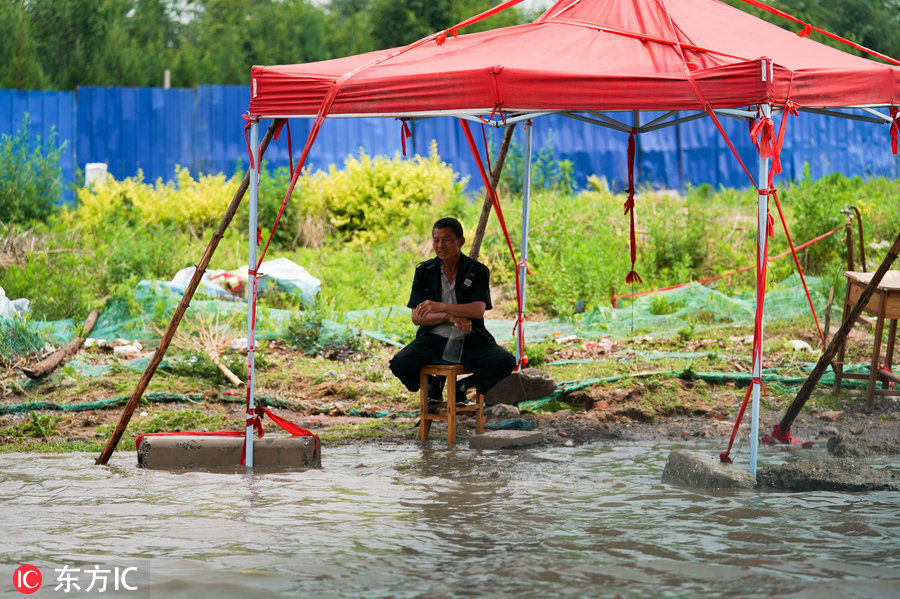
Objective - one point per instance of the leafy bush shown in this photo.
(817, 205)
(311, 333)
(661, 305)
(371, 198)
(29, 176)
(41, 425)
(185, 202)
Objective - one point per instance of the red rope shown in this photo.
(495, 201)
(286, 425)
(895, 128)
(729, 274)
(632, 275)
(405, 134)
(761, 269)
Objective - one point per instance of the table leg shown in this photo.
(876, 353)
(892, 340)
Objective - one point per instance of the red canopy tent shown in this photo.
(584, 58)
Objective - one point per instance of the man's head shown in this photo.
(447, 239)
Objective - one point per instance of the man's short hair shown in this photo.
(448, 222)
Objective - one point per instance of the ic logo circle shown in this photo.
(27, 579)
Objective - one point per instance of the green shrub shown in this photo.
(29, 176)
(371, 198)
(817, 204)
(41, 425)
(185, 202)
(661, 305)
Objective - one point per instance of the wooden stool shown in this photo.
(451, 371)
(884, 304)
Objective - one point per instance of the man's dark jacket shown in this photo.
(472, 285)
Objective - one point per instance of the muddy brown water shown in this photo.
(400, 521)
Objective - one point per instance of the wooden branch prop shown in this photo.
(232, 378)
(51, 362)
(486, 205)
(825, 360)
(182, 306)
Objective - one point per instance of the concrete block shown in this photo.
(202, 452)
(695, 469)
(829, 474)
(529, 383)
(506, 439)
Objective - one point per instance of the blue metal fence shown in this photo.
(152, 130)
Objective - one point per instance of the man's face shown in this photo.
(445, 243)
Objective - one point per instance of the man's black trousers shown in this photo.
(489, 362)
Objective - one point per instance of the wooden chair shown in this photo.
(451, 371)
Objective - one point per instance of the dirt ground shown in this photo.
(350, 397)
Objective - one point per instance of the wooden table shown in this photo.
(884, 305)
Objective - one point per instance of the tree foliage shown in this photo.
(61, 44)
(874, 24)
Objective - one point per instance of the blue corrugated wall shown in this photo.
(152, 130)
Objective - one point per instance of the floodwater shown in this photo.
(402, 521)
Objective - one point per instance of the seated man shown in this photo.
(451, 290)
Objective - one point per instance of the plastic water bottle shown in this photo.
(454, 348)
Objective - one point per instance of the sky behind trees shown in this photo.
(61, 44)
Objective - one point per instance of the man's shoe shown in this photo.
(461, 390)
(435, 388)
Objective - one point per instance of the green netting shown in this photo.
(691, 308)
(146, 399)
(18, 339)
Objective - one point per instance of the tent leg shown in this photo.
(523, 268)
(762, 224)
(251, 293)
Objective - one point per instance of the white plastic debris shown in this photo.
(800, 345)
(10, 308)
(130, 349)
(239, 344)
(286, 276)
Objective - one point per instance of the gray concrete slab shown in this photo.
(506, 439)
(829, 474)
(201, 452)
(704, 471)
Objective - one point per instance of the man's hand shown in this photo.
(428, 307)
(464, 325)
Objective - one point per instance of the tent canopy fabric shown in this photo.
(582, 55)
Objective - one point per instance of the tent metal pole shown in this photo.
(251, 289)
(523, 251)
(762, 224)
